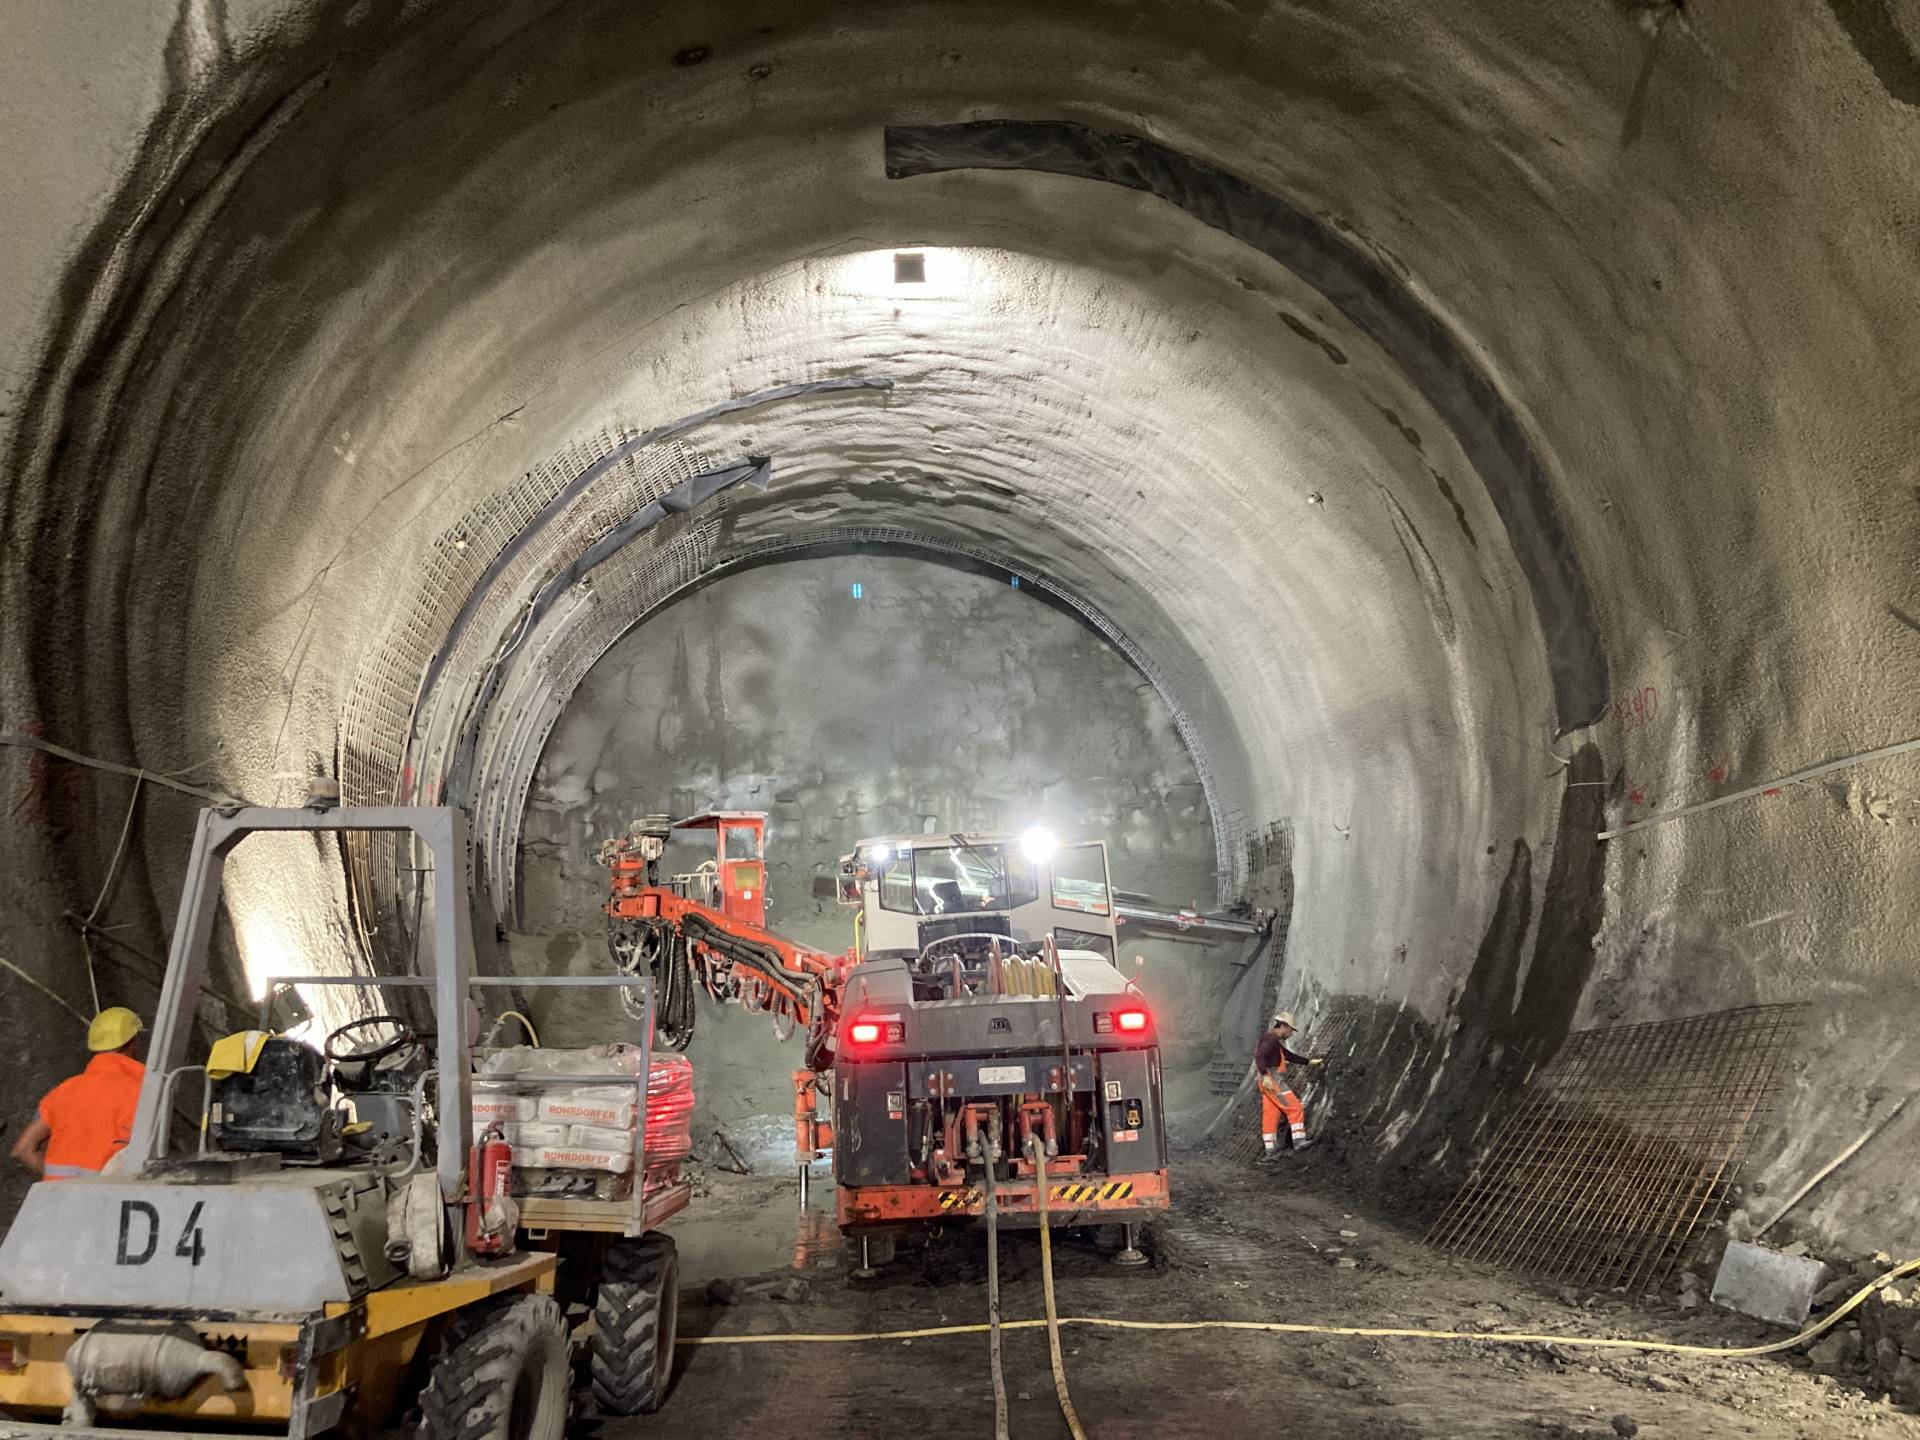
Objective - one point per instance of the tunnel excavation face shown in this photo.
(1378, 417)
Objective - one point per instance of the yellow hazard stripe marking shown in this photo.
(1090, 1194)
(1074, 1194)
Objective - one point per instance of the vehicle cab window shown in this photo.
(956, 879)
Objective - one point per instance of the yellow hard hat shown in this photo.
(112, 1028)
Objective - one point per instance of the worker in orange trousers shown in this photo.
(1270, 1060)
(85, 1121)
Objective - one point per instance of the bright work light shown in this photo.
(1038, 844)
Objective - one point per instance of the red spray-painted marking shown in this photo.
(59, 797)
(1637, 709)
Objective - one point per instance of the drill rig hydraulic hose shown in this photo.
(651, 948)
(1037, 1148)
(752, 955)
(993, 1297)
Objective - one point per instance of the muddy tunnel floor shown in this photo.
(1294, 1241)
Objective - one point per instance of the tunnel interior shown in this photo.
(961, 703)
(1370, 468)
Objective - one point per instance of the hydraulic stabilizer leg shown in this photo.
(812, 1138)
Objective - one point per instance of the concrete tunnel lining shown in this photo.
(498, 790)
(324, 295)
(918, 496)
(1408, 408)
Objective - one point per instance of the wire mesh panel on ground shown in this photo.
(1621, 1149)
(1326, 1036)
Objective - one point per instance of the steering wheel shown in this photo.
(403, 1035)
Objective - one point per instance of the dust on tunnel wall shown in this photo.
(262, 362)
(941, 699)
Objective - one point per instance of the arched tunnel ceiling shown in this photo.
(1068, 461)
(368, 267)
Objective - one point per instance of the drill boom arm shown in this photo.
(734, 958)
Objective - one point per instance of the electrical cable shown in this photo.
(1767, 787)
(525, 1023)
(119, 850)
(106, 887)
(9, 965)
(1369, 1332)
(1037, 1148)
(993, 1295)
(34, 742)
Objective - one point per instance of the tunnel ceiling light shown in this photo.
(1038, 844)
(927, 273)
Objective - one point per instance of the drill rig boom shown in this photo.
(708, 926)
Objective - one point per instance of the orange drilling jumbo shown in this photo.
(977, 1016)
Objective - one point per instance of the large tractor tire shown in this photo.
(502, 1374)
(635, 1318)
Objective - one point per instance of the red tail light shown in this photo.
(1133, 1020)
(874, 1032)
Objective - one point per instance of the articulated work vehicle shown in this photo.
(978, 1014)
(301, 1240)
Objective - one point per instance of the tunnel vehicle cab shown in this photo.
(297, 1240)
(914, 890)
(986, 1015)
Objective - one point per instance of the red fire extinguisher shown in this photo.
(492, 1216)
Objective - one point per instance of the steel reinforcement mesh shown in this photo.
(658, 564)
(379, 712)
(1620, 1150)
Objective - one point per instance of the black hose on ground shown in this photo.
(993, 1299)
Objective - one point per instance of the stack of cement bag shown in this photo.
(569, 1138)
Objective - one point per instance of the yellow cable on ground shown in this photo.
(1037, 1148)
(1277, 1327)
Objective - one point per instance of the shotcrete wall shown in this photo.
(1507, 406)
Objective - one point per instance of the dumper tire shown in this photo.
(636, 1315)
(503, 1372)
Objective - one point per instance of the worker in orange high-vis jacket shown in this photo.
(1270, 1060)
(87, 1120)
